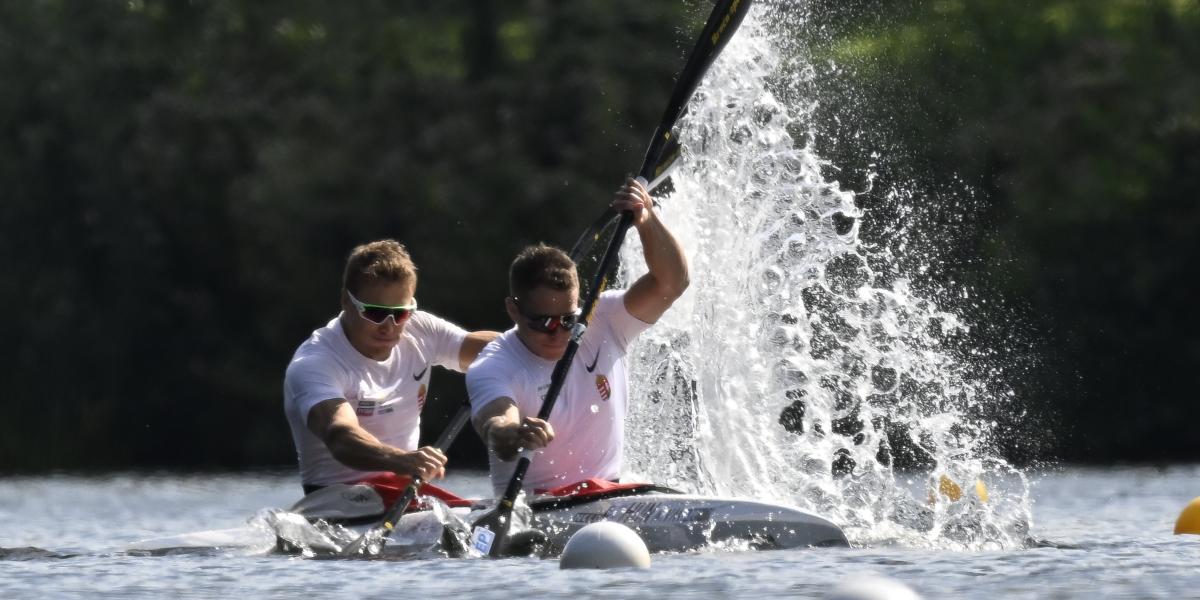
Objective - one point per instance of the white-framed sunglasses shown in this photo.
(378, 313)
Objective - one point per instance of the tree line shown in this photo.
(182, 182)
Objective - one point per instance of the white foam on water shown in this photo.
(792, 367)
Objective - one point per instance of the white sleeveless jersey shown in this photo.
(589, 414)
(387, 396)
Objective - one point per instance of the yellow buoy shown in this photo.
(981, 490)
(1189, 519)
(949, 489)
(954, 492)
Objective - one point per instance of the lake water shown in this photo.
(1101, 533)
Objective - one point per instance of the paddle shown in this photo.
(491, 531)
(363, 545)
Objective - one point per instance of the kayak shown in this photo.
(670, 521)
(667, 521)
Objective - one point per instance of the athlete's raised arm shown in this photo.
(667, 277)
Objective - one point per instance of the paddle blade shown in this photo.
(490, 531)
(368, 544)
(456, 534)
(506, 531)
(372, 541)
(718, 29)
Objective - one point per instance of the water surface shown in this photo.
(1101, 533)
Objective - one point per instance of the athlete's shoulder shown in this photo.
(428, 325)
(498, 354)
(610, 302)
(423, 322)
(320, 342)
(608, 295)
(310, 357)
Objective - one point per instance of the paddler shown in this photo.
(584, 437)
(354, 391)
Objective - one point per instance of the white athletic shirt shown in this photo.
(386, 395)
(589, 414)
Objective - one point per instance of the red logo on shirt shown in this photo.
(603, 387)
(421, 397)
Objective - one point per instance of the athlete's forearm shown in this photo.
(356, 448)
(490, 423)
(501, 433)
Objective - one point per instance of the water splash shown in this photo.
(796, 368)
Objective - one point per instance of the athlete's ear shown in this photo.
(510, 306)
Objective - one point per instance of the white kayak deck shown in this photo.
(667, 522)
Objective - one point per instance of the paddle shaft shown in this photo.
(443, 444)
(725, 18)
(718, 29)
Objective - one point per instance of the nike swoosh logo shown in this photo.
(592, 367)
(418, 376)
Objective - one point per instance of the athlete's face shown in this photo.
(376, 340)
(544, 306)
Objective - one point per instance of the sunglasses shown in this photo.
(378, 313)
(549, 323)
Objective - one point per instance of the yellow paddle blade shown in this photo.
(1189, 519)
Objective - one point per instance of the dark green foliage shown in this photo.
(182, 181)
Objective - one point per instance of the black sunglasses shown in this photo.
(549, 323)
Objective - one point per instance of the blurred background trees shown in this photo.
(181, 183)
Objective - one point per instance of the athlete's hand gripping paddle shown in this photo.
(364, 546)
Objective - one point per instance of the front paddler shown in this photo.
(354, 391)
(584, 437)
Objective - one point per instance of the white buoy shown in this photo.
(872, 588)
(605, 545)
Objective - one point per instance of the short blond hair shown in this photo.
(375, 262)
